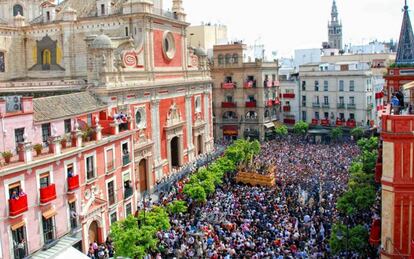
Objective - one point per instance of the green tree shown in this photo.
(356, 201)
(301, 128)
(281, 130)
(368, 144)
(157, 218)
(369, 160)
(357, 133)
(177, 207)
(196, 192)
(357, 239)
(337, 133)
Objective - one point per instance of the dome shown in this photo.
(200, 52)
(102, 42)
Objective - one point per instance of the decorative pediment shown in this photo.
(174, 118)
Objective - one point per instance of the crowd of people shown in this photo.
(102, 251)
(290, 220)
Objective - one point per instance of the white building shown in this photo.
(207, 35)
(305, 56)
(289, 98)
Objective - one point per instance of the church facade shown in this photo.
(133, 58)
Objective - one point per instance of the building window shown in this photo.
(316, 86)
(89, 119)
(197, 104)
(48, 229)
(303, 85)
(341, 100)
(44, 180)
(304, 115)
(18, 136)
(46, 59)
(220, 59)
(113, 217)
(317, 115)
(111, 193)
(235, 58)
(90, 167)
(352, 100)
(48, 16)
(316, 99)
(2, 62)
(103, 10)
(304, 100)
(17, 9)
(326, 100)
(341, 85)
(325, 86)
(228, 59)
(125, 153)
(169, 45)
(126, 32)
(127, 186)
(110, 161)
(19, 242)
(73, 215)
(68, 125)
(45, 132)
(351, 85)
(352, 116)
(128, 209)
(326, 115)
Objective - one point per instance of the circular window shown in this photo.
(168, 45)
(138, 117)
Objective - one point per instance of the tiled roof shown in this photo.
(64, 106)
(87, 8)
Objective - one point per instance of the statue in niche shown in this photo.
(46, 55)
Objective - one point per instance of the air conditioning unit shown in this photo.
(13, 103)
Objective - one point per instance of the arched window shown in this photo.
(46, 57)
(229, 115)
(228, 57)
(220, 59)
(251, 115)
(17, 9)
(235, 58)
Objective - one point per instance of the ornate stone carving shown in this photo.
(174, 115)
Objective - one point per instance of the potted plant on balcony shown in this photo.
(7, 155)
(87, 134)
(38, 148)
(63, 142)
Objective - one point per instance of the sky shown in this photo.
(286, 25)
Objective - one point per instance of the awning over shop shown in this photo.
(230, 130)
(71, 252)
(269, 125)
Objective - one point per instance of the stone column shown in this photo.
(115, 126)
(54, 145)
(98, 130)
(155, 107)
(25, 150)
(189, 112)
(208, 137)
(77, 136)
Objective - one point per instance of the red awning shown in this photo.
(230, 130)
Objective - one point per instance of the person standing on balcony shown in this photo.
(395, 104)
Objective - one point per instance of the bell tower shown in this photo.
(335, 29)
(178, 10)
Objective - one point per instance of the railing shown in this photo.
(228, 105)
(289, 121)
(340, 105)
(165, 13)
(47, 193)
(251, 104)
(73, 183)
(126, 160)
(316, 105)
(18, 206)
(315, 122)
(128, 193)
(325, 105)
(351, 106)
(230, 85)
(325, 122)
(289, 95)
(249, 84)
(351, 124)
(339, 123)
(251, 119)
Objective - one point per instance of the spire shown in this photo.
(334, 12)
(405, 51)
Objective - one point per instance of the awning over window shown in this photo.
(49, 213)
(230, 130)
(17, 225)
(269, 125)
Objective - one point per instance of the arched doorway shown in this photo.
(142, 170)
(93, 232)
(199, 144)
(175, 152)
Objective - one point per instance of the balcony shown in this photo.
(249, 84)
(286, 108)
(289, 95)
(315, 122)
(339, 123)
(230, 85)
(325, 122)
(126, 160)
(340, 105)
(251, 119)
(267, 83)
(351, 106)
(18, 206)
(73, 183)
(128, 192)
(379, 95)
(251, 104)
(351, 124)
(47, 193)
(228, 105)
(325, 105)
(275, 83)
(316, 105)
(289, 121)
